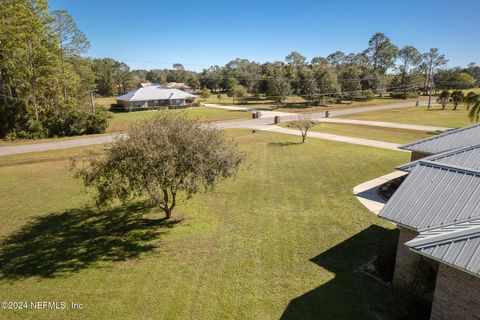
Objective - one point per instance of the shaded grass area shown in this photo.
(72, 240)
(281, 240)
(418, 115)
(370, 132)
(122, 120)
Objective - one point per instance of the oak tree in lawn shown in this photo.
(161, 159)
(205, 93)
(240, 92)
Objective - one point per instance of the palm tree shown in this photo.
(443, 98)
(457, 97)
(475, 110)
(470, 99)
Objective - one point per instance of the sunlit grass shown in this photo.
(281, 239)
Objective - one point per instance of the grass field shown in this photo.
(281, 240)
(105, 102)
(122, 120)
(297, 104)
(370, 132)
(418, 115)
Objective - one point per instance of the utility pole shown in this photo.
(92, 99)
(430, 84)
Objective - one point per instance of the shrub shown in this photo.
(115, 107)
(96, 122)
(403, 95)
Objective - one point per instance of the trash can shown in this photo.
(254, 115)
(276, 120)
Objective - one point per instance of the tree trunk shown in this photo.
(168, 208)
(168, 212)
(304, 136)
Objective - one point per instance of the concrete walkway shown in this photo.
(334, 137)
(386, 124)
(367, 192)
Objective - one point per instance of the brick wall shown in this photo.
(404, 261)
(457, 295)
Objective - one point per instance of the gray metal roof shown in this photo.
(453, 139)
(435, 195)
(466, 157)
(153, 92)
(457, 245)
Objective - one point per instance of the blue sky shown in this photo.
(155, 34)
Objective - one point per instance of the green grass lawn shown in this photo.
(122, 120)
(418, 115)
(297, 104)
(370, 132)
(105, 102)
(281, 240)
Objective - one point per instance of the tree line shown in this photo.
(46, 82)
(382, 67)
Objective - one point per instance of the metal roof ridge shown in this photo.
(449, 166)
(446, 133)
(447, 153)
(446, 235)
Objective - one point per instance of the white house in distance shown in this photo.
(154, 96)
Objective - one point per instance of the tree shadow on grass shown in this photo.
(349, 295)
(66, 242)
(284, 144)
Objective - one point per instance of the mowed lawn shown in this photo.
(122, 120)
(282, 240)
(370, 132)
(297, 104)
(418, 115)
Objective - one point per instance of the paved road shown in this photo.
(64, 144)
(263, 123)
(267, 116)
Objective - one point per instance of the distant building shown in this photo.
(154, 96)
(178, 85)
(437, 209)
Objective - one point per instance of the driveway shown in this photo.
(264, 123)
